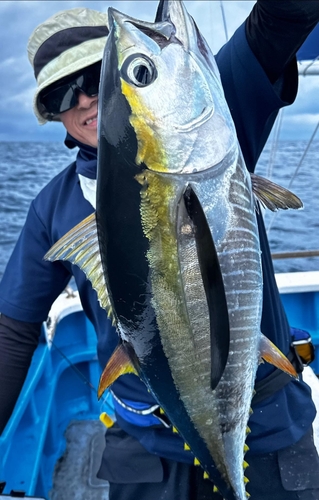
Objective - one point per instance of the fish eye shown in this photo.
(139, 70)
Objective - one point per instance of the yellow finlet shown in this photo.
(162, 412)
(246, 448)
(196, 461)
(186, 447)
(174, 430)
(215, 489)
(106, 420)
(246, 480)
(245, 464)
(206, 475)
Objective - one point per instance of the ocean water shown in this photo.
(27, 167)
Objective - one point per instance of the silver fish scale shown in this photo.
(239, 256)
(237, 245)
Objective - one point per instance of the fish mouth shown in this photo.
(205, 115)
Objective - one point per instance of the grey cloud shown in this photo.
(19, 18)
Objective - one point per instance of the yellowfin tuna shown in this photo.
(173, 249)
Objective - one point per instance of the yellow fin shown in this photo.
(206, 475)
(186, 447)
(106, 420)
(174, 430)
(246, 448)
(270, 353)
(119, 364)
(215, 489)
(196, 461)
(245, 464)
(80, 246)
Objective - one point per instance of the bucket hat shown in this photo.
(64, 44)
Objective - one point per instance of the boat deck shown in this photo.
(75, 472)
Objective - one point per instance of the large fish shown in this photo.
(173, 249)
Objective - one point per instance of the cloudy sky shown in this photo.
(19, 18)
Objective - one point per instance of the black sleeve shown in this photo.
(275, 30)
(18, 341)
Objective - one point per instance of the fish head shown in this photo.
(161, 99)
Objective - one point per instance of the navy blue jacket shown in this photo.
(27, 295)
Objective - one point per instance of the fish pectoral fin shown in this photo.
(80, 246)
(272, 195)
(118, 364)
(270, 353)
(212, 282)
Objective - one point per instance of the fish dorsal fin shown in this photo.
(272, 195)
(213, 285)
(270, 353)
(80, 246)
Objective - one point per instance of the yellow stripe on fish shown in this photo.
(156, 196)
(150, 151)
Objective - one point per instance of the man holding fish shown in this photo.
(258, 73)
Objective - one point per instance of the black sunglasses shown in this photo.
(64, 94)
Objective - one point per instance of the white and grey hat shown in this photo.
(64, 44)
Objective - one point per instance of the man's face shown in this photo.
(81, 120)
